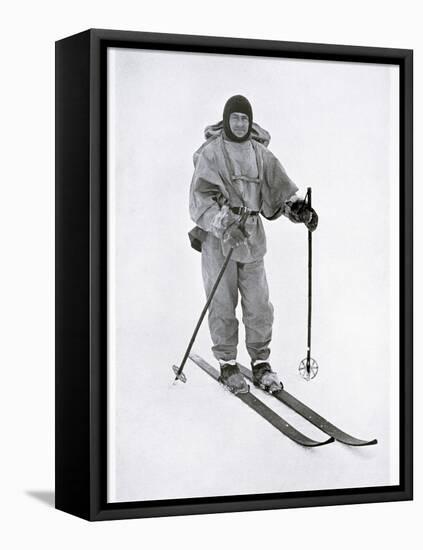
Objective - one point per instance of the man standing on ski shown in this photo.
(236, 181)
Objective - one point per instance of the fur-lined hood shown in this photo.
(214, 131)
(257, 132)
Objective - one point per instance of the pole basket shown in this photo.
(180, 376)
(308, 368)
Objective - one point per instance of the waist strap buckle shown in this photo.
(243, 210)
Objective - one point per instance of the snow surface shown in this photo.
(196, 439)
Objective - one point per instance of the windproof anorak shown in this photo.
(218, 186)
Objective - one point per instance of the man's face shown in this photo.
(239, 123)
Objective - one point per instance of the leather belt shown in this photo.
(243, 210)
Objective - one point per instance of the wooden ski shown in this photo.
(313, 417)
(263, 410)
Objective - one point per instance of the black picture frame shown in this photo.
(81, 273)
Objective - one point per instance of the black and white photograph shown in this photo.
(210, 237)
(252, 275)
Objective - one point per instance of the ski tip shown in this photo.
(327, 442)
(311, 443)
(368, 443)
(353, 442)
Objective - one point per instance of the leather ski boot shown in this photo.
(232, 378)
(265, 378)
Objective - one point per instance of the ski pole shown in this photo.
(178, 370)
(308, 367)
(310, 263)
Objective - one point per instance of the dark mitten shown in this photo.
(312, 223)
(300, 212)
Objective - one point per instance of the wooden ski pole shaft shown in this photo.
(207, 304)
(310, 261)
(203, 313)
(308, 366)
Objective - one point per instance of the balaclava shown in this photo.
(237, 104)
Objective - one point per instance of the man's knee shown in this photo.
(258, 321)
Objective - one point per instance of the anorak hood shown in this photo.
(237, 104)
(257, 132)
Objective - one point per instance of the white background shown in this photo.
(27, 297)
(334, 127)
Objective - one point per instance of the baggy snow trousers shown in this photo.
(249, 279)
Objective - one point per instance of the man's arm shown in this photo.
(208, 205)
(277, 186)
(281, 196)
